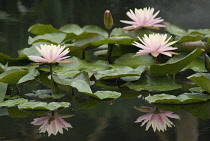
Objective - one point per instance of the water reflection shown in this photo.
(52, 123)
(156, 118)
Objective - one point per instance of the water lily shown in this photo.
(156, 118)
(155, 44)
(143, 18)
(52, 123)
(51, 54)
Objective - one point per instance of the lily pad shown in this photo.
(120, 72)
(106, 95)
(3, 88)
(133, 62)
(152, 83)
(72, 28)
(43, 105)
(185, 98)
(11, 77)
(40, 29)
(176, 30)
(30, 76)
(175, 67)
(202, 80)
(45, 94)
(14, 102)
(54, 38)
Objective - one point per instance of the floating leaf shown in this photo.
(120, 72)
(54, 38)
(175, 67)
(105, 94)
(176, 30)
(190, 39)
(40, 29)
(45, 94)
(3, 88)
(14, 102)
(95, 29)
(185, 98)
(43, 105)
(12, 77)
(202, 80)
(72, 28)
(133, 62)
(30, 76)
(152, 83)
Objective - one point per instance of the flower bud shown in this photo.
(108, 21)
(207, 63)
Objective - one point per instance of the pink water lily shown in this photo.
(156, 118)
(51, 54)
(143, 18)
(52, 123)
(155, 44)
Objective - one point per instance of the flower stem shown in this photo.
(156, 60)
(54, 86)
(110, 48)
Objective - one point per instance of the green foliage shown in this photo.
(185, 98)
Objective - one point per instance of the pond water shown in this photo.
(98, 120)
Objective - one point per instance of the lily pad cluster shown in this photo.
(90, 46)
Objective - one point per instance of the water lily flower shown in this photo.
(156, 118)
(52, 123)
(51, 54)
(155, 44)
(143, 18)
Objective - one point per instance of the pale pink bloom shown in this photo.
(51, 54)
(143, 18)
(52, 123)
(156, 118)
(155, 44)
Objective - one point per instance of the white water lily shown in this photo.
(51, 54)
(143, 18)
(155, 118)
(155, 44)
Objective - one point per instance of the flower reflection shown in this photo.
(52, 123)
(156, 118)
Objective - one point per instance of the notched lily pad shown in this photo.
(185, 98)
(43, 105)
(14, 102)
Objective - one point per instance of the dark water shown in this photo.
(104, 122)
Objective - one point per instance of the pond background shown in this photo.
(104, 122)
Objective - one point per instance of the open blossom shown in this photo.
(156, 118)
(143, 18)
(51, 54)
(52, 123)
(155, 44)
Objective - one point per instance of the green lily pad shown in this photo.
(54, 38)
(176, 30)
(152, 83)
(14, 102)
(72, 28)
(106, 95)
(11, 77)
(197, 65)
(120, 72)
(43, 105)
(196, 90)
(3, 88)
(40, 29)
(202, 80)
(32, 73)
(175, 67)
(95, 29)
(133, 62)
(185, 98)
(190, 39)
